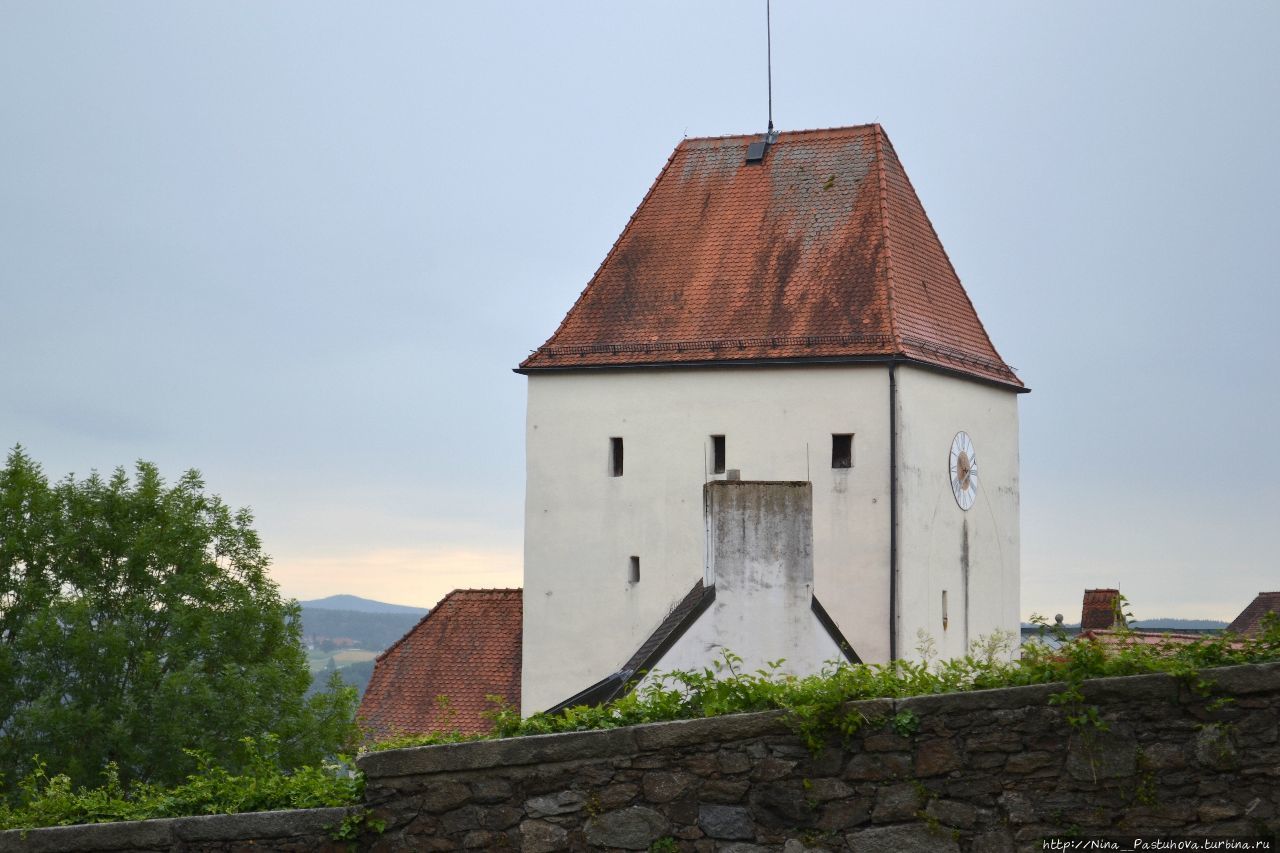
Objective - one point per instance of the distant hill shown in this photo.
(338, 625)
(325, 628)
(361, 605)
(1179, 624)
(1155, 625)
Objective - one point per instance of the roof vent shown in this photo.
(757, 150)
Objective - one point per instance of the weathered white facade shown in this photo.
(760, 564)
(584, 616)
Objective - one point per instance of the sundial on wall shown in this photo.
(963, 463)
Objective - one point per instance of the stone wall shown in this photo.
(985, 771)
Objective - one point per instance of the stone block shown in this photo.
(935, 757)
(1163, 756)
(538, 836)
(1029, 762)
(782, 804)
(490, 790)
(562, 802)
(844, 814)
(822, 790)
(618, 795)
(875, 767)
(952, 813)
(680, 733)
(632, 828)
(1093, 756)
(885, 741)
(912, 838)
(726, 822)
(443, 795)
(665, 787)
(731, 761)
(508, 752)
(1244, 680)
(897, 803)
(1017, 807)
(771, 768)
(501, 817)
(1215, 749)
(723, 790)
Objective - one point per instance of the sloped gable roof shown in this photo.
(1249, 622)
(821, 252)
(467, 648)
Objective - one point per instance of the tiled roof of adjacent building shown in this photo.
(1249, 622)
(1101, 609)
(820, 252)
(466, 648)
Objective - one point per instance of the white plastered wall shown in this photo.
(933, 530)
(761, 557)
(582, 617)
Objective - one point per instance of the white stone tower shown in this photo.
(781, 313)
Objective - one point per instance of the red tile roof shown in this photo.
(821, 252)
(1101, 609)
(466, 648)
(1249, 622)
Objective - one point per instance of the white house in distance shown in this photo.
(771, 423)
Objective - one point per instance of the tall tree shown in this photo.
(137, 620)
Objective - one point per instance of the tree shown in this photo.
(137, 620)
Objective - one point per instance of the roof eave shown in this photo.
(526, 369)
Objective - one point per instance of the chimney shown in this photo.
(1101, 610)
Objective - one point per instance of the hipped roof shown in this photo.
(465, 650)
(822, 252)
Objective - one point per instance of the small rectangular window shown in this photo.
(717, 454)
(615, 457)
(944, 610)
(634, 570)
(842, 450)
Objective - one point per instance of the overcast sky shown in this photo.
(300, 245)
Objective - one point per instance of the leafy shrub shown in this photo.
(262, 785)
(814, 706)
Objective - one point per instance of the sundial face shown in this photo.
(963, 466)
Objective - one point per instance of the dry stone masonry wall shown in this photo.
(981, 772)
(984, 772)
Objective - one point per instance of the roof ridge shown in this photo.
(612, 249)
(782, 134)
(882, 186)
(946, 256)
(453, 593)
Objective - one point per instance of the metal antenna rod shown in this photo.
(768, 40)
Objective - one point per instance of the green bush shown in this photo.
(262, 785)
(814, 705)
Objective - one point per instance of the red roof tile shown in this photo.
(466, 648)
(823, 252)
(1101, 609)
(1249, 622)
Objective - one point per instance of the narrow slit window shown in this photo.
(945, 620)
(842, 450)
(615, 457)
(633, 570)
(717, 454)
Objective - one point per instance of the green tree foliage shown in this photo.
(139, 627)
